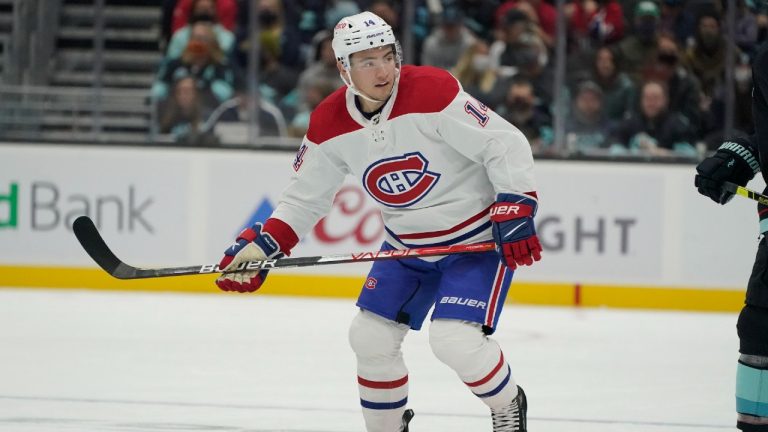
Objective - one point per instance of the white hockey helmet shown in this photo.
(360, 32)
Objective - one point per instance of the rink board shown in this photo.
(615, 234)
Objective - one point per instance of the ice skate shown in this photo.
(407, 416)
(511, 418)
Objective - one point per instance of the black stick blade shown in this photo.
(89, 237)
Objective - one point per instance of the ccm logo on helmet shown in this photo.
(400, 181)
(502, 210)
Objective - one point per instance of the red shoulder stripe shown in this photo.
(424, 89)
(331, 118)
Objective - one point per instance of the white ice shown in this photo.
(117, 361)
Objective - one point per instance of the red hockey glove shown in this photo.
(513, 230)
(251, 245)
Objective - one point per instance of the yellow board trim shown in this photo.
(532, 293)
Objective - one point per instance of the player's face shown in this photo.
(374, 71)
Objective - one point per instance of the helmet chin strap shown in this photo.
(357, 92)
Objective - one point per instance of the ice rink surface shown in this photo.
(117, 361)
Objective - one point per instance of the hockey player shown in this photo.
(737, 161)
(444, 170)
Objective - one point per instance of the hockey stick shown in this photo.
(746, 193)
(88, 236)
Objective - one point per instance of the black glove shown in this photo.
(734, 161)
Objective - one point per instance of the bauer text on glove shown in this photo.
(253, 244)
(513, 229)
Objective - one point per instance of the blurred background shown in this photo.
(655, 80)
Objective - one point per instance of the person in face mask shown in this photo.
(684, 90)
(202, 11)
(225, 11)
(646, 21)
(521, 109)
(270, 14)
(534, 65)
(203, 8)
(638, 49)
(708, 34)
(481, 62)
(706, 58)
(476, 72)
(202, 49)
(743, 119)
(271, 17)
(202, 60)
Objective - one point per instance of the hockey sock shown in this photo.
(382, 377)
(383, 403)
(476, 359)
(752, 393)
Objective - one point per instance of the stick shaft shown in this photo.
(93, 243)
(746, 193)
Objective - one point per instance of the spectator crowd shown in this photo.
(642, 76)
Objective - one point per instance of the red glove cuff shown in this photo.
(505, 211)
(283, 234)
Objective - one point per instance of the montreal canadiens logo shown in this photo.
(400, 181)
(371, 282)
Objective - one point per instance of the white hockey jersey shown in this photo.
(434, 160)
